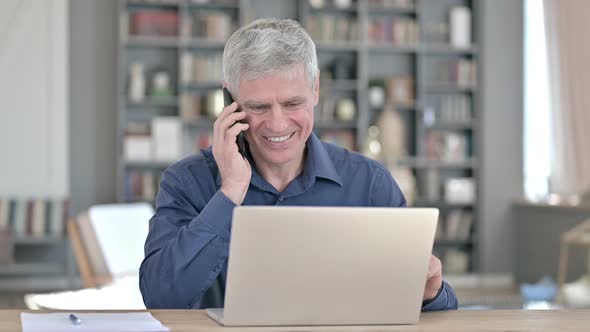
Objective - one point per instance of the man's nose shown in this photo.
(278, 120)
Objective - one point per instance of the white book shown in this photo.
(38, 218)
(137, 147)
(167, 138)
(4, 214)
(186, 64)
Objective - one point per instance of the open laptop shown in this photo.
(326, 265)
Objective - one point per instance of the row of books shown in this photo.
(161, 143)
(197, 107)
(153, 23)
(158, 140)
(210, 25)
(456, 225)
(141, 185)
(461, 73)
(394, 30)
(456, 190)
(34, 217)
(454, 109)
(448, 146)
(200, 68)
(337, 109)
(330, 28)
(400, 4)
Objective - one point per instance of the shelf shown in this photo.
(153, 102)
(446, 49)
(441, 204)
(30, 269)
(452, 126)
(339, 85)
(336, 125)
(213, 6)
(353, 9)
(389, 48)
(203, 123)
(448, 89)
(151, 5)
(452, 243)
(47, 240)
(145, 41)
(37, 284)
(429, 163)
(391, 11)
(337, 46)
(400, 107)
(212, 85)
(202, 43)
(148, 164)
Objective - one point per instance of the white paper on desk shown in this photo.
(92, 322)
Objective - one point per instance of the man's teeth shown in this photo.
(279, 139)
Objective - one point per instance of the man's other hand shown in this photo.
(433, 278)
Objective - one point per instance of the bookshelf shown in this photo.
(34, 246)
(359, 59)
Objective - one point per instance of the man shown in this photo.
(270, 67)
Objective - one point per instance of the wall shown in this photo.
(93, 40)
(502, 107)
(34, 100)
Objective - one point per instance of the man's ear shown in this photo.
(316, 92)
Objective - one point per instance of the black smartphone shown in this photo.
(240, 140)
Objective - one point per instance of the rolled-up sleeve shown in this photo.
(445, 300)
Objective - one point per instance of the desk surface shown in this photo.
(462, 320)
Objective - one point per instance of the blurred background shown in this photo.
(477, 107)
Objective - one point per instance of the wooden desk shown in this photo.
(463, 320)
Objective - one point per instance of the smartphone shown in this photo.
(240, 140)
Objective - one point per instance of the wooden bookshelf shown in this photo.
(344, 36)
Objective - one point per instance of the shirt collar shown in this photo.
(317, 163)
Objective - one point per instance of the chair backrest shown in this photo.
(108, 241)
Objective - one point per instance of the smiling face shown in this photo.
(279, 110)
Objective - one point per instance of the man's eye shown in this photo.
(258, 109)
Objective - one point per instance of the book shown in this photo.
(167, 138)
(400, 90)
(137, 147)
(4, 214)
(153, 23)
(38, 218)
(57, 218)
(20, 217)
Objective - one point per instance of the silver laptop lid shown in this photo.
(325, 265)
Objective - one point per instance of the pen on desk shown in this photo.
(75, 320)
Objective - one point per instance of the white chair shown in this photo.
(108, 244)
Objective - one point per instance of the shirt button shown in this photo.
(217, 268)
(281, 199)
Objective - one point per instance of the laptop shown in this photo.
(326, 266)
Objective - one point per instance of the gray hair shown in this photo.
(266, 46)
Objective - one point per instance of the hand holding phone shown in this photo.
(240, 140)
(229, 152)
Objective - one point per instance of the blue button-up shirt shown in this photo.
(186, 251)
